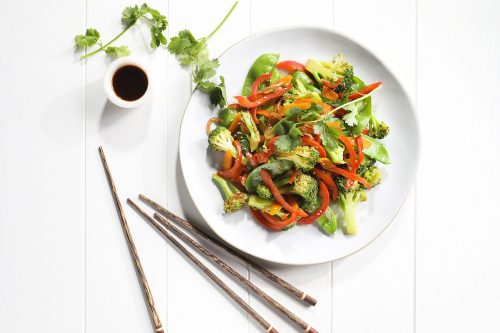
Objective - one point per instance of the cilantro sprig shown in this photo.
(130, 16)
(192, 52)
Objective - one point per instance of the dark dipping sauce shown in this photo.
(130, 82)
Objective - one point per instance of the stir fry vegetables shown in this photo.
(300, 139)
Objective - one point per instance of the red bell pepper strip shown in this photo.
(325, 201)
(268, 181)
(290, 65)
(264, 156)
(361, 155)
(329, 166)
(270, 222)
(350, 149)
(253, 113)
(257, 215)
(256, 84)
(293, 176)
(308, 142)
(323, 176)
(245, 102)
(365, 90)
(237, 168)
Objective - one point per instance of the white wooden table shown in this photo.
(64, 264)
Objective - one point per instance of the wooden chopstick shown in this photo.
(267, 327)
(256, 290)
(272, 277)
(133, 251)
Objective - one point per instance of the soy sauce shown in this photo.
(130, 82)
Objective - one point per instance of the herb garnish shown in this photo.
(130, 16)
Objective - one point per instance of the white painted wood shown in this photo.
(373, 289)
(65, 264)
(458, 258)
(41, 170)
(135, 142)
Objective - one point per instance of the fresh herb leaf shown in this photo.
(288, 142)
(187, 48)
(91, 37)
(130, 16)
(117, 51)
(216, 92)
(329, 138)
(351, 117)
(205, 70)
(194, 52)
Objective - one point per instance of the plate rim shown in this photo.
(413, 175)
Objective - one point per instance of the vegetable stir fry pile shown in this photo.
(298, 140)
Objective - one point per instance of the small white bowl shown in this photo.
(108, 82)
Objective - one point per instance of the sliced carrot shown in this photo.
(235, 122)
(227, 161)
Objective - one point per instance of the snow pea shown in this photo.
(227, 115)
(375, 149)
(274, 166)
(328, 221)
(305, 80)
(263, 64)
(364, 116)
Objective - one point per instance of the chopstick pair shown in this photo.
(256, 290)
(145, 286)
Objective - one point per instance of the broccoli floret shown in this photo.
(246, 118)
(346, 82)
(304, 157)
(310, 206)
(373, 175)
(330, 71)
(257, 202)
(327, 221)
(348, 201)
(368, 162)
(244, 142)
(220, 139)
(303, 185)
(234, 199)
(264, 192)
(377, 129)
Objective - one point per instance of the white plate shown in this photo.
(303, 244)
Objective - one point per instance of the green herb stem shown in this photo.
(107, 44)
(223, 21)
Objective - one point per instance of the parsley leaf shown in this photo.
(130, 16)
(188, 49)
(194, 52)
(329, 138)
(117, 51)
(288, 142)
(354, 109)
(204, 70)
(91, 37)
(216, 92)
